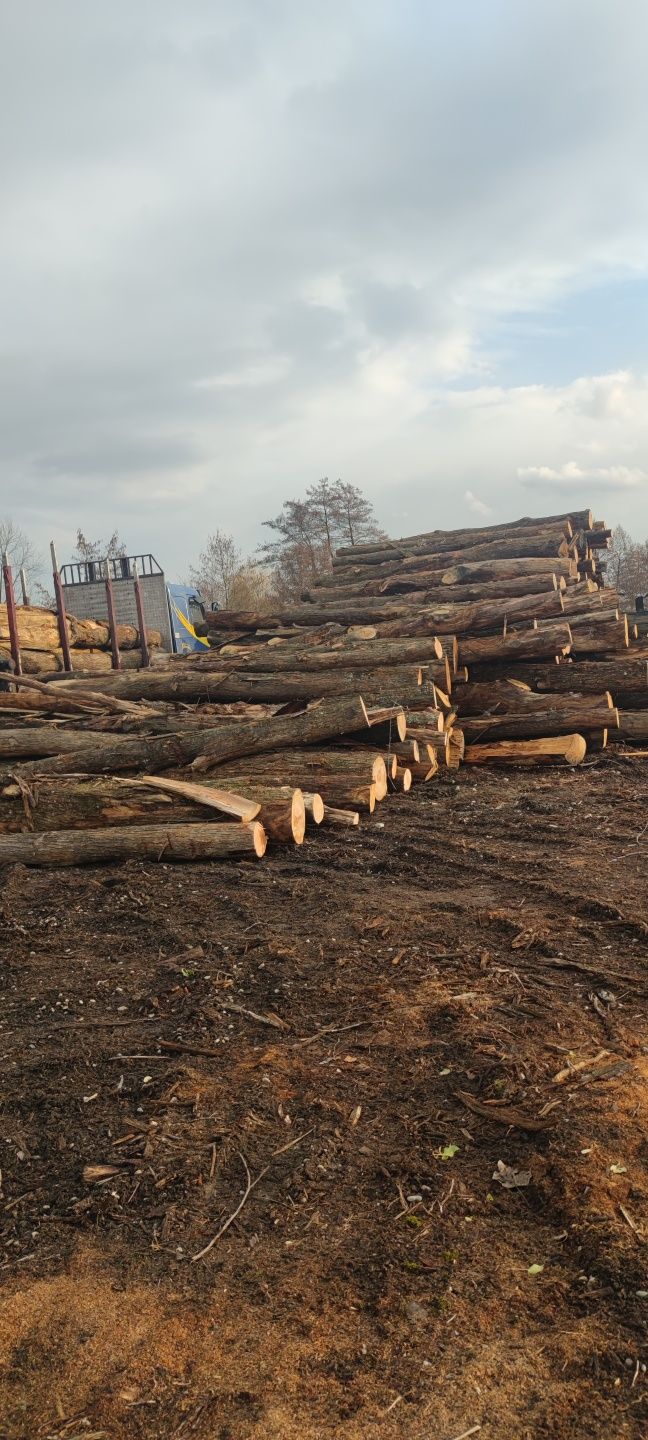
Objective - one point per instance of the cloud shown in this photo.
(479, 507)
(251, 245)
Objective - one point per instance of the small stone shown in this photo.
(415, 1312)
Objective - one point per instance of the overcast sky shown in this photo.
(247, 244)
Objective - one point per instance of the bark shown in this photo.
(524, 644)
(402, 780)
(363, 657)
(513, 697)
(84, 662)
(589, 677)
(633, 727)
(388, 716)
(507, 569)
(107, 754)
(224, 801)
(86, 804)
(431, 741)
(539, 723)
(555, 750)
(141, 842)
(591, 639)
(195, 684)
(467, 619)
(425, 769)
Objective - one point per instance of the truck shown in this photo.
(176, 610)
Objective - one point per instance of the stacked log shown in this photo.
(493, 646)
(89, 640)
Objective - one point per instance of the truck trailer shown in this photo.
(173, 609)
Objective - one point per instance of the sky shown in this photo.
(245, 245)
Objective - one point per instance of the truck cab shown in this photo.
(186, 612)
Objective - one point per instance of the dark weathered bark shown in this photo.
(633, 727)
(78, 804)
(610, 635)
(141, 842)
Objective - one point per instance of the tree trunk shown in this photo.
(633, 727)
(507, 570)
(601, 638)
(588, 677)
(513, 697)
(556, 750)
(141, 842)
(195, 684)
(537, 724)
(373, 656)
(488, 590)
(89, 804)
(520, 644)
(105, 753)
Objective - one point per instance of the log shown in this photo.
(425, 720)
(517, 645)
(402, 780)
(313, 770)
(141, 842)
(196, 684)
(389, 720)
(314, 806)
(553, 750)
(344, 818)
(371, 657)
(108, 754)
(223, 800)
(51, 662)
(576, 520)
(354, 795)
(601, 638)
(507, 569)
(425, 770)
(449, 620)
(79, 804)
(589, 677)
(512, 697)
(633, 727)
(456, 748)
(537, 724)
(430, 740)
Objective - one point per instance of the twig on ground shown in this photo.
(250, 1186)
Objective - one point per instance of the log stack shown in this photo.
(491, 646)
(89, 641)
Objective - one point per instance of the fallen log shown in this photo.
(343, 818)
(513, 697)
(141, 842)
(372, 656)
(552, 750)
(81, 804)
(633, 727)
(601, 638)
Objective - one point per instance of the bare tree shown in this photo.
(308, 531)
(627, 566)
(218, 564)
(15, 543)
(87, 549)
(355, 520)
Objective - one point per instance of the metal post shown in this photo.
(11, 615)
(141, 624)
(112, 622)
(60, 611)
(23, 586)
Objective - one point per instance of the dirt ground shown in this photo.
(294, 1039)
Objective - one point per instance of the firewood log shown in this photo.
(196, 684)
(513, 697)
(633, 727)
(342, 818)
(532, 724)
(589, 677)
(372, 656)
(506, 569)
(520, 644)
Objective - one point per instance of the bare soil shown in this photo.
(477, 937)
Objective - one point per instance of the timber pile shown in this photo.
(494, 646)
(89, 641)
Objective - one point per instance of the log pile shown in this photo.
(89, 641)
(495, 646)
